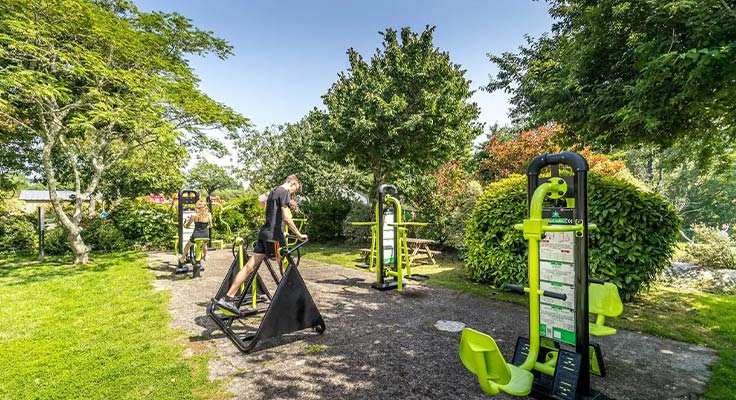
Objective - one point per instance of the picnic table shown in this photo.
(420, 249)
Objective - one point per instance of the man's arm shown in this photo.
(286, 217)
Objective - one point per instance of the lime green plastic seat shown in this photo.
(604, 301)
(480, 355)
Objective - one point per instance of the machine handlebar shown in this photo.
(554, 295)
(596, 281)
(546, 293)
(515, 288)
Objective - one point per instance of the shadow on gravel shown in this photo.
(381, 345)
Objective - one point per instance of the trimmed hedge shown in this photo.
(632, 245)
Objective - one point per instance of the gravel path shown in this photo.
(381, 345)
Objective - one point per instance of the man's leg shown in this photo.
(227, 302)
(256, 259)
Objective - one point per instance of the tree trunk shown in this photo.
(92, 206)
(79, 249)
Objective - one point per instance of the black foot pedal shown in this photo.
(417, 278)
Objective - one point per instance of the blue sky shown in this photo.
(288, 53)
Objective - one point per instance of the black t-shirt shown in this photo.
(273, 228)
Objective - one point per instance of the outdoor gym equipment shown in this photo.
(290, 308)
(187, 198)
(558, 295)
(388, 242)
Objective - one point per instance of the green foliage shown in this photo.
(103, 235)
(495, 251)
(445, 200)
(210, 177)
(631, 246)
(701, 195)
(359, 212)
(228, 195)
(406, 109)
(617, 72)
(239, 217)
(140, 173)
(267, 157)
(56, 242)
(147, 224)
(325, 218)
(17, 233)
(710, 249)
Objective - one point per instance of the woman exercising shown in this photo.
(202, 222)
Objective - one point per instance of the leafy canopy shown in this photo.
(210, 177)
(615, 72)
(406, 109)
(268, 156)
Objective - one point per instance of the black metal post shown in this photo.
(41, 228)
(582, 339)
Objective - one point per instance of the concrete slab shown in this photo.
(381, 345)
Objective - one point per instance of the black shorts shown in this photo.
(268, 248)
(199, 235)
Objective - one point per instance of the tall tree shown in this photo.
(268, 156)
(93, 81)
(211, 177)
(406, 110)
(618, 73)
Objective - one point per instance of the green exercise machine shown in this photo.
(187, 198)
(558, 295)
(389, 252)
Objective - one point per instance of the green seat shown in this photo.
(604, 301)
(480, 355)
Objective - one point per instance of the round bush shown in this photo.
(631, 246)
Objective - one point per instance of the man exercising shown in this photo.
(270, 237)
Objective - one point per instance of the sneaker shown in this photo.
(227, 303)
(182, 260)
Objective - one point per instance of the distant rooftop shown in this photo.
(43, 195)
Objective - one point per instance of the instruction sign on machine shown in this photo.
(557, 274)
(388, 236)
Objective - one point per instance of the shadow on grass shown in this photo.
(22, 271)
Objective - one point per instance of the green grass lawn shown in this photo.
(97, 331)
(695, 317)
